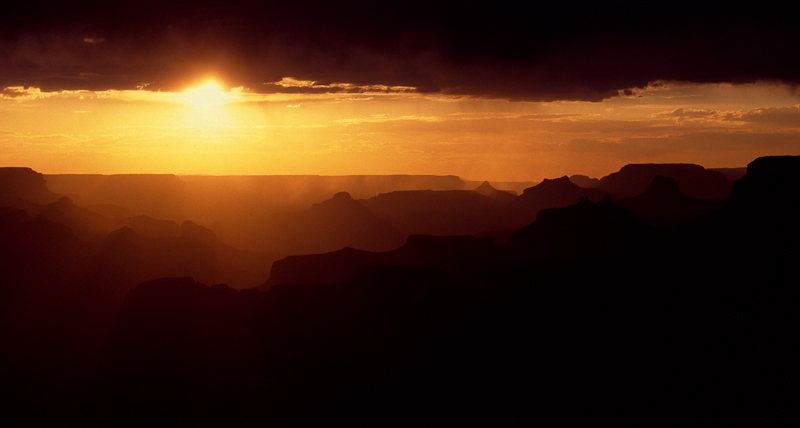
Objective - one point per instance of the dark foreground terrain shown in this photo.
(663, 305)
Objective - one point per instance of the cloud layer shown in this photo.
(535, 51)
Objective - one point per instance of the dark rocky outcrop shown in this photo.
(556, 193)
(333, 224)
(442, 213)
(768, 188)
(178, 345)
(463, 258)
(584, 231)
(128, 258)
(732, 174)
(693, 180)
(154, 195)
(25, 184)
(664, 206)
(85, 224)
(584, 181)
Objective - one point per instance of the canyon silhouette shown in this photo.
(661, 293)
(305, 213)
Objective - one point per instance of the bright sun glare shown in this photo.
(207, 97)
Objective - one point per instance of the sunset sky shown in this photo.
(483, 90)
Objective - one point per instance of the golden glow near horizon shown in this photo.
(210, 96)
(206, 130)
(207, 104)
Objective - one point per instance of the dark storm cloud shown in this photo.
(534, 51)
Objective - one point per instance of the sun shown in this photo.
(207, 97)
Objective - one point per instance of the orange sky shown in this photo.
(501, 90)
(393, 131)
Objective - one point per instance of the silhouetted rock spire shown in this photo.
(486, 189)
